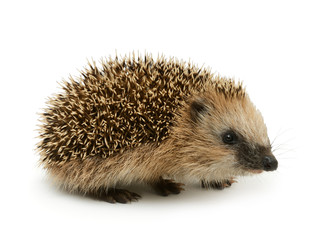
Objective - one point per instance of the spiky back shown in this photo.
(122, 105)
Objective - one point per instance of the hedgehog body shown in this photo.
(140, 120)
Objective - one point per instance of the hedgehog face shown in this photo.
(250, 157)
(235, 128)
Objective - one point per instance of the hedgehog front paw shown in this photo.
(165, 187)
(114, 195)
(217, 184)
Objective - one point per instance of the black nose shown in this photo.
(270, 163)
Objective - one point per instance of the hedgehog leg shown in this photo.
(217, 184)
(165, 187)
(115, 195)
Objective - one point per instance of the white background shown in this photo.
(275, 47)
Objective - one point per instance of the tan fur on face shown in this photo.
(239, 114)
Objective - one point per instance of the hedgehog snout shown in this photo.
(270, 163)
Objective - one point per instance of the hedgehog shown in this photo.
(158, 122)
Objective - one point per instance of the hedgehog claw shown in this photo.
(166, 187)
(114, 195)
(217, 184)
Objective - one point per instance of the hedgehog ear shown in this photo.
(198, 109)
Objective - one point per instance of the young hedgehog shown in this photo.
(136, 120)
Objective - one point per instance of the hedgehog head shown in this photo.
(226, 134)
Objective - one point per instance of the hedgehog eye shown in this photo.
(230, 138)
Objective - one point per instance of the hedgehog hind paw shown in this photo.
(165, 187)
(219, 185)
(115, 195)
